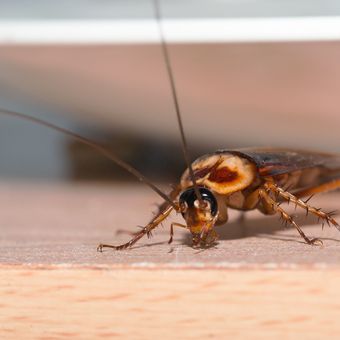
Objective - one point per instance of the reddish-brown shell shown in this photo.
(223, 173)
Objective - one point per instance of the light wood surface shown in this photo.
(259, 282)
(168, 304)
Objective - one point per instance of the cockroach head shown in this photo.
(200, 218)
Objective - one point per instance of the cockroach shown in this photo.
(243, 179)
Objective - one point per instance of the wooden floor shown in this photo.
(259, 282)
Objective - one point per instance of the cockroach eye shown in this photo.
(189, 198)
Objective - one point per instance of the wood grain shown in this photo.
(63, 224)
(167, 304)
(259, 282)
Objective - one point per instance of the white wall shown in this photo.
(231, 94)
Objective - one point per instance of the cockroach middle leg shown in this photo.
(326, 217)
(269, 202)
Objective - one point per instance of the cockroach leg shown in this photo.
(241, 218)
(172, 230)
(161, 207)
(145, 230)
(327, 217)
(269, 202)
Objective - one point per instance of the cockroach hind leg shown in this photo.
(318, 212)
(287, 218)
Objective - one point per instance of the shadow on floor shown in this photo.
(264, 227)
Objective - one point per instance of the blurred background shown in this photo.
(248, 73)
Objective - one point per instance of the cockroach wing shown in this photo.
(273, 162)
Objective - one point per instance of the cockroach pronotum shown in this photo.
(244, 179)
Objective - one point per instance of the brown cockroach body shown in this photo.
(244, 179)
(247, 179)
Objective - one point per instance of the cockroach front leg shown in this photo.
(172, 230)
(287, 196)
(159, 218)
(161, 209)
(271, 205)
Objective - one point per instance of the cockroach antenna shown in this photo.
(175, 99)
(107, 153)
(259, 175)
